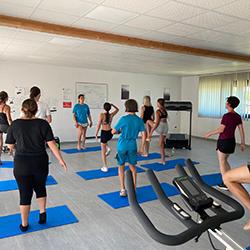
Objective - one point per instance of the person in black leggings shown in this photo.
(5, 118)
(31, 162)
(234, 179)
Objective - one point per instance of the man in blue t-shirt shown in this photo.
(129, 126)
(81, 115)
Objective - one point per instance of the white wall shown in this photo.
(53, 79)
(189, 92)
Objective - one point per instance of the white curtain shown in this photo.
(213, 91)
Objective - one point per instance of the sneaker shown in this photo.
(108, 151)
(104, 169)
(123, 193)
(24, 229)
(222, 186)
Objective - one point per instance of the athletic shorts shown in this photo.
(106, 136)
(84, 125)
(3, 128)
(162, 129)
(129, 156)
(226, 146)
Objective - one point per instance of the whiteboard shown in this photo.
(96, 94)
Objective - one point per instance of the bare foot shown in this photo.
(247, 226)
(79, 147)
(163, 162)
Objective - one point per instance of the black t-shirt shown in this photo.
(148, 113)
(29, 136)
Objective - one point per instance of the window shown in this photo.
(213, 91)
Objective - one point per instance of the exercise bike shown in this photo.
(194, 193)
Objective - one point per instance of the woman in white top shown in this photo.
(43, 108)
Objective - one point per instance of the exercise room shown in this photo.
(124, 124)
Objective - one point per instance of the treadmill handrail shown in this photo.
(193, 229)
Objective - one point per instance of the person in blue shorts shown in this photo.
(129, 126)
(82, 119)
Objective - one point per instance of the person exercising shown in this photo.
(5, 118)
(81, 115)
(234, 179)
(104, 121)
(31, 163)
(226, 142)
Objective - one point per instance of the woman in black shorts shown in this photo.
(147, 113)
(5, 118)
(29, 134)
(104, 121)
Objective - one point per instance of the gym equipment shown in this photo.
(11, 185)
(144, 194)
(180, 140)
(156, 166)
(193, 190)
(57, 216)
(86, 150)
(98, 174)
(7, 164)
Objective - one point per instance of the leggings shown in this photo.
(29, 183)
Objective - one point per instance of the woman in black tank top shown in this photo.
(147, 114)
(5, 118)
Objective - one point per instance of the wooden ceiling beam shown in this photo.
(33, 25)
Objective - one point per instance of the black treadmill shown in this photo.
(180, 140)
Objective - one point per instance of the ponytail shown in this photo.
(107, 108)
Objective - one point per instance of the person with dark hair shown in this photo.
(233, 180)
(5, 118)
(43, 111)
(160, 125)
(81, 115)
(104, 121)
(147, 113)
(129, 126)
(31, 164)
(226, 142)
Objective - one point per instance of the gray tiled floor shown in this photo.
(101, 227)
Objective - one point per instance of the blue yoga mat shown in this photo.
(171, 164)
(144, 194)
(7, 164)
(75, 150)
(151, 156)
(56, 216)
(11, 185)
(248, 248)
(98, 174)
(212, 179)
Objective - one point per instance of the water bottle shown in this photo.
(173, 151)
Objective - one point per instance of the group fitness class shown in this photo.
(124, 124)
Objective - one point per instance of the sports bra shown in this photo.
(3, 117)
(163, 114)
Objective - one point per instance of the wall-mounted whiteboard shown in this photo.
(96, 94)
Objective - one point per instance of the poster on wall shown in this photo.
(166, 94)
(124, 92)
(67, 97)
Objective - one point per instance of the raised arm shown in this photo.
(242, 137)
(116, 109)
(217, 131)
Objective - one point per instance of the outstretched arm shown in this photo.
(217, 131)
